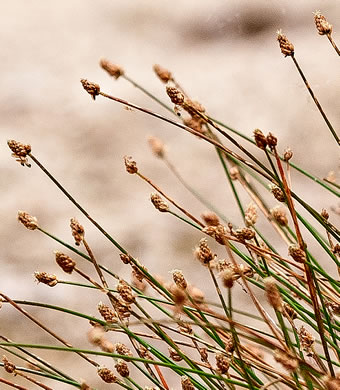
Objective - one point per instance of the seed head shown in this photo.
(8, 366)
(194, 123)
(210, 219)
(260, 139)
(219, 233)
(125, 258)
(278, 193)
(143, 352)
(228, 278)
(20, 152)
(45, 278)
(163, 74)
(273, 293)
(107, 375)
(323, 27)
(245, 234)
(287, 48)
(288, 154)
(306, 339)
(271, 141)
(159, 203)
(91, 88)
(179, 279)
(112, 69)
(194, 109)
(157, 146)
(279, 215)
(297, 253)
(130, 165)
(175, 95)
(65, 262)
(324, 214)
(125, 291)
(107, 313)
(203, 252)
(250, 216)
(288, 311)
(222, 363)
(175, 356)
(204, 354)
(77, 231)
(234, 173)
(122, 349)
(122, 368)
(96, 335)
(332, 383)
(27, 220)
(288, 361)
(186, 383)
(123, 309)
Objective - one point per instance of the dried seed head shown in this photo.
(130, 165)
(163, 74)
(196, 294)
(179, 279)
(287, 48)
(204, 354)
(288, 154)
(85, 386)
(195, 124)
(143, 352)
(178, 295)
(336, 249)
(222, 363)
(185, 328)
(45, 278)
(210, 219)
(159, 203)
(186, 383)
(203, 252)
(334, 307)
(27, 220)
(77, 230)
(65, 262)
(140, 285)
(244, 234)
(8, 366)
(219, 233)
(332, 383)
(324, 214)
(175, 95)
(123, 309)
(157, 146)
(122, 368)
(20, 151)
(194, 109)
(174, 355)
(125, 291)
(271, 140)
(297, 253)
(107, 375)
(122, 349)
(228, 278)
(107, 313)
(323, 27)
(273, 293)
(112, 69)
(306, 339)
(250, 216)
(125, 258)
(278, 193)
(287, 361)
(91, 88)
(106, 346)
(289, 312)
(228, 343)
(279, 215)
(260, 139)
(137, 271)
(96, 335)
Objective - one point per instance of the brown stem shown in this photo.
(6, 382)
(331, 40)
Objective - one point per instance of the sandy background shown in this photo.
(226, 56)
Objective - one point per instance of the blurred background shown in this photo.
(224, 54)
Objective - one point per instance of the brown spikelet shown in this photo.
(8, 366)
(204, 354)
(107, 375)
(157, 146)
(250, 216)
(175, 95)
(234, 173)
(186, 383)
(179, 279)
(107, 313)
(260, 139)
(306, 339)
(112, 69)
(130, 165)
(122, 349)
(77, 231)
(91, 88)
(244, 234)
(271, 141)
(123, 310)
(278, 193)
(228, 278)
(163, 74)
(122, 368)
(195, 124)
(287, 361)
(288, 154)
(203, 252)
(143, 352)
(273, 293)
(279, 215)
(20, 152)
(159, 203)
(297, 253)
(218, 232)
(210, 219)
(287, 48)
(222, 363)
(45, 278)
(324, 214)
(174, 355)
(27, 220)
(125, 291)
(332, 383)
(65, 262)
(323, 27)
(194, 109)
(288, 311)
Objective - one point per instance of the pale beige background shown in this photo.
(226, 56)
